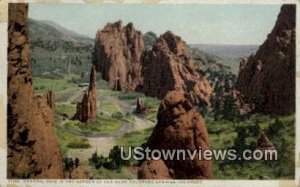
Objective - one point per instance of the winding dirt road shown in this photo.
(103, 143)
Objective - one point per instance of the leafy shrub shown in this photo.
(117, 115)
(275, 128)
(113, 161)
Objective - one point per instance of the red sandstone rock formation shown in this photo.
(86, 110)
(50, 99)
(154, 169)
(263, 143)
(167, 67)
(33, 151)
(118, 53)
(179, 126)
(267, 79)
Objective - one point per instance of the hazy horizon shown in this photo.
(194, 23)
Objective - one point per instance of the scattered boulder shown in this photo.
(141, 108)
(168, 67)
(267, 79)
(117, 55)
(32, 148)
(179, 126)
(263, 143)
(86, 110)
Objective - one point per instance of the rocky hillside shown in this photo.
(33, 151)
(179, 126)
(56, 51)
(168, 67)
(117, 55)
(267, 79)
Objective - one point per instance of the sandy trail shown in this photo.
(104, 143)
(101, 145)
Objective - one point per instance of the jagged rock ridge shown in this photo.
(33, 151)
(117, 55)
(179, 126)
(86, 110)
(267, 79)
(167, 67)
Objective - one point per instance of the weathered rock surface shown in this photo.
(33, 151)
(179, 126)
(86, 110)
(263, 143)
(167, 67)
(117, 55)
(267, 79)
(141, 108)
(154, 169)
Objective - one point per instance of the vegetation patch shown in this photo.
(241, 135)
(65, 109)
(69, 141)
(130, 95)
(103, 124)
(57, 84)
(109, 107)
(136, 138)
(151, 115)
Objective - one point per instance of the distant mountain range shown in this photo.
(227, 51)
(52, 30)
(57, 51)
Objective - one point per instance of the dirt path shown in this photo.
(103, 143)
(78, 93)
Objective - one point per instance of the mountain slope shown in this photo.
(227, 51)
(57, 51)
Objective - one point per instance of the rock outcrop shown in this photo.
(267, 79)
(167, 67)
(141, 108)
(154, 169)
(179, 126)
(32, 147)
(263, 143)
(117, 55)
(86, 110)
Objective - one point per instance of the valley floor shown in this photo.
(117, 124)
(80, 141)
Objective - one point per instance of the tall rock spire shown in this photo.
(32, 148)
(86, 110)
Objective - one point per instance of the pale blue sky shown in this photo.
(195, 23)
